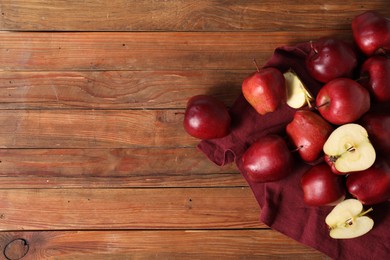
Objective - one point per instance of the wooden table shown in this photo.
(94, 161)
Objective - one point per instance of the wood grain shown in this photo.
(94, 168)
(115, 89)
(94, 161)
(202, 15)
(180, 244)
(146, 50)
(93, 129)
(154, 208)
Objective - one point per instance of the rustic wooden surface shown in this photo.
(94, 162)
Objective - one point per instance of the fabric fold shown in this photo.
(281, 202)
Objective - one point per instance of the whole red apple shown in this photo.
(321, 187)
(330, 58)
(267, 159)
(371, 186)
(371, 32)
(206, 117)
(265, 90)
(377, 125)
(308, 131)
(375, 76)
(342, 101)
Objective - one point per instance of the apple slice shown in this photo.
(297, 94)
(347, 220)
(349, 149)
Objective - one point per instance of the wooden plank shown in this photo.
(202, 15)
(146, 50)
(115, 89)
(169, 244)
(93, 168)
(155, 208)
(93, 129)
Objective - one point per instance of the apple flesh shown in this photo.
(265, 90)
(267, 159)
(371, 32)
(371, 186)
(297, 94)
(308, 131)
(342, 101)
(348, 220)
(375, 76)
(206, 118)
(348, 149)
(330, 58)
(321, 187)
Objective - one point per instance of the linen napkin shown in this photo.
(281, 202)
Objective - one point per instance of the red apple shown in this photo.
(308, 131)
(265, 90)
(377, 125)
(371, 32)
(267, 159)
(330, 58)
(321, 187)
(206, 117)
(342, 101)
(375, 76)
(371, 186)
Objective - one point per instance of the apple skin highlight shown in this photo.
(321, 187)
(268, 159)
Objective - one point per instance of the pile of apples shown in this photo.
(337, 132)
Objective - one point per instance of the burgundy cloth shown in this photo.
(281, 202)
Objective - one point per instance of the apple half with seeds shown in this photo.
(297, 94)
(348, 220)
(348, 149)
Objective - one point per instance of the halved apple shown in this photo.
(348, 220)
(349, 149)
(297, 94)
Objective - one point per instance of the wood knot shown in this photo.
(189, 203)
(16, 249)
(167, 117)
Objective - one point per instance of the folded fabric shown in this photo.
(281, 202)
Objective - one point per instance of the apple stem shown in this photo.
(297, 149)
(365, 212)
(312, 47)
(308, 101)
(364, 77)
(381, 51)
(350, 221)
(324, 104)
(256, 65)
